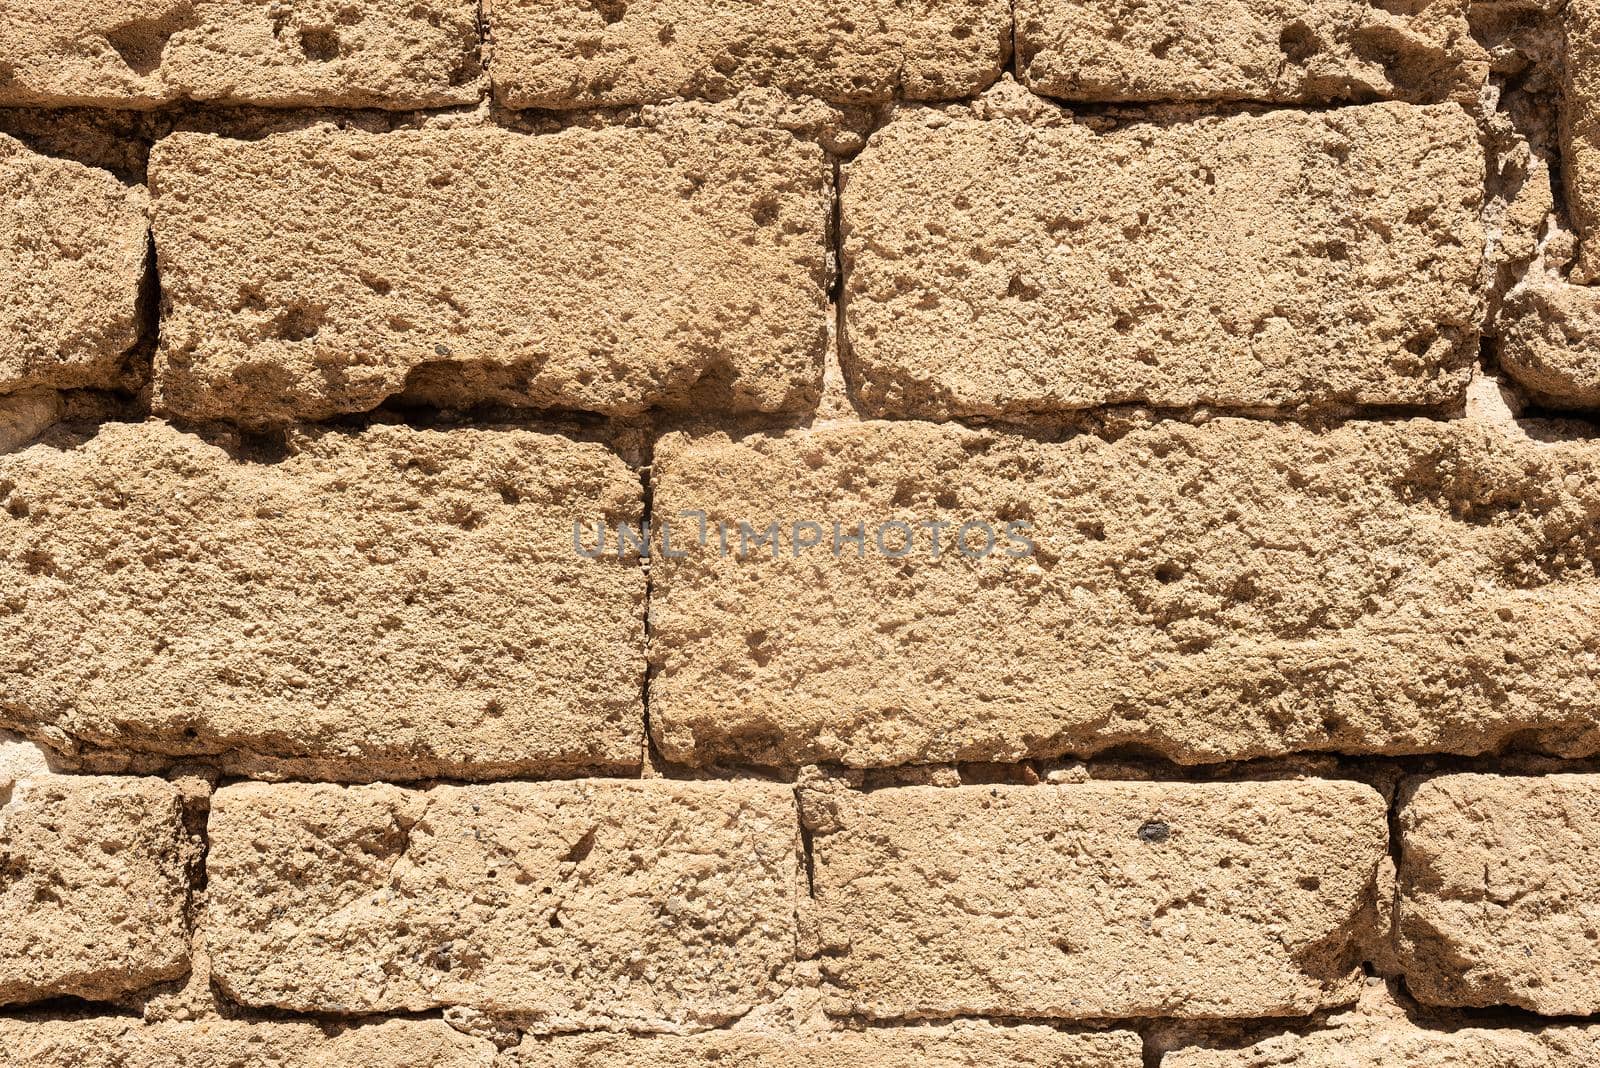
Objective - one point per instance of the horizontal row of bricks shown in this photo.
(141, 53)
(664, 906)
(405, 603)
(995, 265)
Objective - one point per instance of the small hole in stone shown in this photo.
(320, 45)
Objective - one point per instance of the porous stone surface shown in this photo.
(1396, 1042)
(125, 1043)
(644, 906)
(965, 1045)
(1550, 341)
(141, 53)
(571, 53)
(385, 602)
(1214, 592)
(1016, 265)
(1579, 116)
(1099, 900)
(93, 887)
(72, 257)
(609, 270)
(1303, 51)
(1500, 892)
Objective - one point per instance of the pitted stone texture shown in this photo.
(93, 887)
(124, 1043)
(1500, 892)
(1097, 900)
(322, 53)
(1398, 1043)
(964, 1045)
(388, 603)
(1014, 268)
(1301, 51)
(568, 53)
(611, 270)
(1229, 590)
(1580, 131)
(72, 257)
(1550, 341)
(645, 906)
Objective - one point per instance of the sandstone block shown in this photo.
(1097, 900)
(386, 603)
(93, 887)
(568, 53)
(72, 257)
(1500, 892)
(610, 270)
(1233, 589)
(124, 1043)
(1579, 115)
(647, 906)
(1016, 267)
(317, 53)
(1398, 1043)
(1550, 341)
(964, 1045)
(1302, 51)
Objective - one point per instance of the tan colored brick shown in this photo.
(1579, 116)
(124, 1043)
(1500, 892)
(1017, 267)
(93, 887)
(72, 257)
(1399, 1043)
(1301, 51)
(568, 53)
(648, 906)
(965, 1045)
(1097, 900)
(610, 269)
(1235, 589)
(1550, 341)
(140, 53)
(382, 603)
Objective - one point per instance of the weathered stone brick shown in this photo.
(1550, 341)
(72, 256)
(1268, 50)
(1234, 589)
(385, 603)
(568, 53)
(1350, 1040)
(606, 269)
(1579, 116)
(140, 53)
(1096, 900)
(93, 887)
(1500, 892)
(649, 906)
(963, 1045)
(124, 1043)
(1017, 266)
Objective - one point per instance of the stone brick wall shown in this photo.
(911, 533)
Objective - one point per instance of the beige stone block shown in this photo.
(589, 905)
(612, 270)
(1550, 341)
(1209, 592)
(317, 53)
(567, 53)
(1283, 51)
(72, 258)
(1101, 900)
(379, 603)
(93, 887)
(1500, 892)
(1019, 267)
